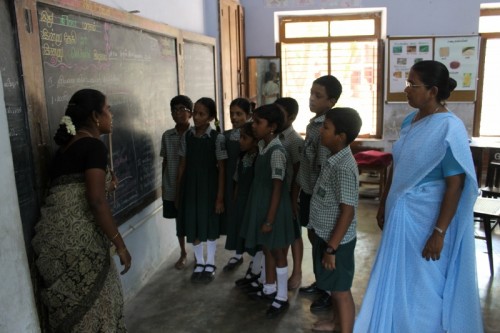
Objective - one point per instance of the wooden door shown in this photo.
(231, 26)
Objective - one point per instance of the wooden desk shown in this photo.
(483, 151)
(488, 209)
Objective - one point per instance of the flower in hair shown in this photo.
(66, 121)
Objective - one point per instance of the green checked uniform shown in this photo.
(270, 165)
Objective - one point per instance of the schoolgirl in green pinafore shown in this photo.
(282, 234)
(239, 112)
(268, 219)
(200, 186)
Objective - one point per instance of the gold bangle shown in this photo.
(116, 235)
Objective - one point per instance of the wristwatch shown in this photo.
(330, 250)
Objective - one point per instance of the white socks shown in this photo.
(198, 253)
(282, 280)
(257, 263)
(211, 247)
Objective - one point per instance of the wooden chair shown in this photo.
(487, 211)
(375, 163)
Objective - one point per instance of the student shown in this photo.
(243, 178)
(325, 92)
(181, 108)
(333, 217)
(240, 112)
(202, 154)
(268, 215)
(293, 143)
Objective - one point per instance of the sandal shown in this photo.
(232, 264)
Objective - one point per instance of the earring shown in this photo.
(272, 132)
(97, 122)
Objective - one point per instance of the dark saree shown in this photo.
(82, 289)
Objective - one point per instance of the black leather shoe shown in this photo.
(261, 296)
(322, 303)
(274, 311)
(208, 276)
(312, 289)
(197, 276)
(232, 264)
(244, 281)
(253, 289)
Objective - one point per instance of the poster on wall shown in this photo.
(461, 57)
(403, 53)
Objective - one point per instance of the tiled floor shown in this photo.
(171, 303)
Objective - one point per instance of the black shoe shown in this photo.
(322, 303)
(274, 311)
(250, 288)
(261, 296)
(208, 276)
(197, 276)
(312, 289)
(244, 281)
(232, 264)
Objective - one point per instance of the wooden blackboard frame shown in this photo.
(32, 67)
(464, 95)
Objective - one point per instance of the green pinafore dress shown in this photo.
(233, 153)
(255, 215)
(200, 189)
(234, 241)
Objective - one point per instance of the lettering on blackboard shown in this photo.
(10, 83)
(47, 18)
(51, 36)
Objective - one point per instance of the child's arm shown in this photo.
(338, 232)
(180, 175)
(219, 203)
(267, 225)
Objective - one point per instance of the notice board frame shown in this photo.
(416, 44)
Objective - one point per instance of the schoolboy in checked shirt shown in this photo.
(333, 217)
(325, 92)
(181, 108)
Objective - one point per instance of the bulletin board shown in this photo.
(460, 54)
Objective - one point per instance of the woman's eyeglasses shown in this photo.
(412, 85)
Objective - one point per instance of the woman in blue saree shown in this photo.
(424, 276)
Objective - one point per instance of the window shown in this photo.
(486, 113)
(346, 46)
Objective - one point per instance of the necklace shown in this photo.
(86, 132)
(418, 117)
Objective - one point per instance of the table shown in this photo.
(483, 151)
(488, 209)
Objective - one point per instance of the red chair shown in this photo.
(376, 164)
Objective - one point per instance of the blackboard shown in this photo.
(17, 118)
(199, 70)
(135, 69)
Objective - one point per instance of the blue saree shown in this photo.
(406, 293)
